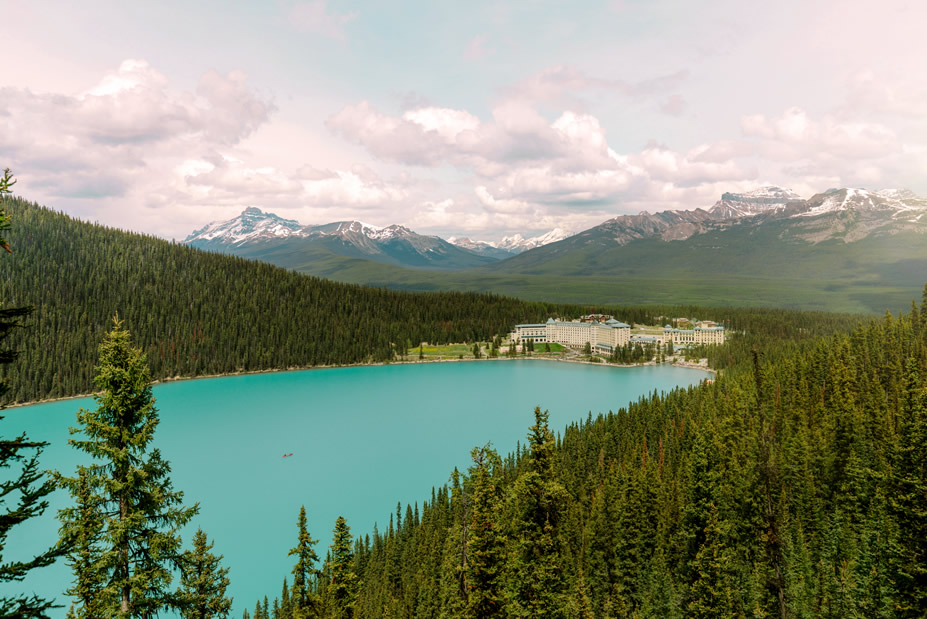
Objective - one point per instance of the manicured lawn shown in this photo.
(446, 350)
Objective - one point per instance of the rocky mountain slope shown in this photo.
(265, 236)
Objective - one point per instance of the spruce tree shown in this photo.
(485, 539)
(711, 595)
(203, 582)
(141, 513)
(82, 534)
(303, 600)
(536, 581)
(910, 495)
(342, 590)
(27, 488)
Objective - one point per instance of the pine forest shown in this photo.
(792, 485)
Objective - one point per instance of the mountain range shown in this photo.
(848, 249)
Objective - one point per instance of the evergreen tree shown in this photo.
(203, 582)
(485, 538)
(28, 487)
(712, 596)
(910, 496)
(83, 535)
(141, 513)
(303, 600)
(536, 580)
(342, 589)
(286, 607)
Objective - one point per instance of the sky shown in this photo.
(478, 119)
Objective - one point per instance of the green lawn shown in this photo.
(447, 351)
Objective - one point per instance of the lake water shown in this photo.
(362, 438)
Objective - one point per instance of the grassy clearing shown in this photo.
(449, 351)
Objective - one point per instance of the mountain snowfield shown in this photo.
(255, 226)
(762, 200)
(512, 245)
(873, 211)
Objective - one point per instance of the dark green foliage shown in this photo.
(303, 600)
(910, 492)
(342, 586)
(22, 494)
(485, 539)
(128, 538)
(196, 313)
(82, 533)
(795, 485)
(203, 582)
(537, 506)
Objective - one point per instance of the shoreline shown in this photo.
(172, 379)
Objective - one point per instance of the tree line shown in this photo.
(794, 485)
(196, 313)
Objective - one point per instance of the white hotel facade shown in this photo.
(604, 337)
(703, 333)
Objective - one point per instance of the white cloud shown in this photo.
(315, 17)
(134, 139)
(803, 136)
(477, 50)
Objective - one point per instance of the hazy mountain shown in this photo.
(755, 202)
(510, 245)
(766, 233)
(846, 249)
(265, 236)
(483, 248)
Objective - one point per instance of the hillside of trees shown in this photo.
(795, 485)
(196, 313)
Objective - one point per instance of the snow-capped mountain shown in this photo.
(846, 214)
(251, 226)
(517, 243)
(266, 236)
(896, 203)
(511, 245)
(482, 248)
(750, 203)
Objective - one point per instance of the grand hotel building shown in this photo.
(604, 337)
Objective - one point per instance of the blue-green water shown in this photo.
(362, 439)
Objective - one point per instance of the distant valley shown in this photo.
(844, 249)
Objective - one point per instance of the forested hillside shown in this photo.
(795, 485)
(197, 313)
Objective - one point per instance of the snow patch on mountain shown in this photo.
(517, 243)
(251, 225)
(896, 203)
(749, 203)
(514, 244)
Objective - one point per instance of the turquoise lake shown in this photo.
(362, 438)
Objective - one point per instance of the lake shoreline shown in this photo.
(173, 379)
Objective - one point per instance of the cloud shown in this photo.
(476, 49)
(100, 142)
(563, 86)
(315, 18)
(527, 159)
(795, 134)
(674, 105)
(134, 139)
(867, 93)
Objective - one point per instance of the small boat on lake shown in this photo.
(287, 455)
